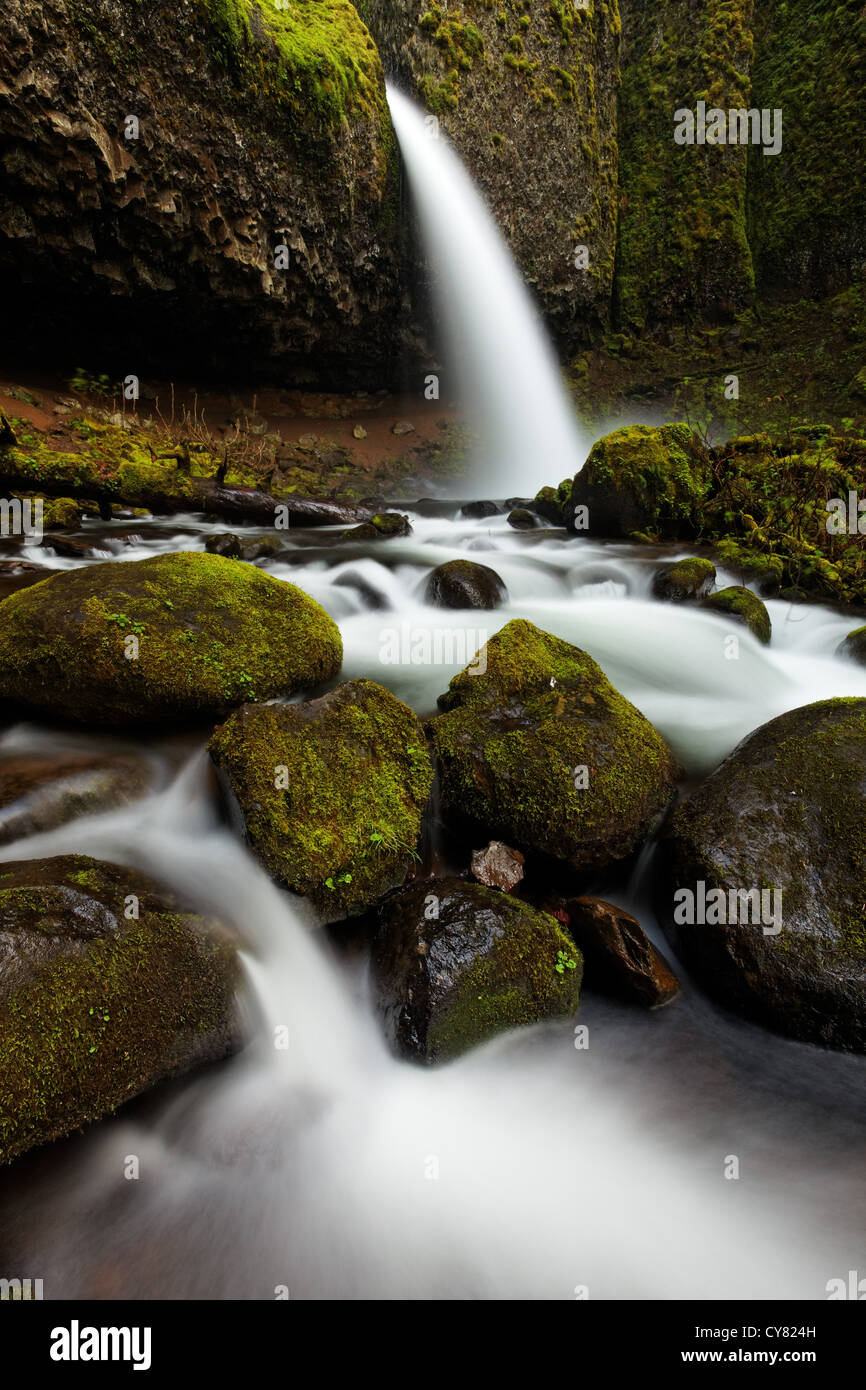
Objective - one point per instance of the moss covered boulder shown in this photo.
(542, 752)
(745, 608)
(176, 636)
(684, 581)
(645, 479)
(330, 794)
(465, 584)
(778, 829)
(853, 647)
(455, 963)
(96, 1004)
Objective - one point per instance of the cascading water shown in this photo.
(528, 1168)
(499, 353)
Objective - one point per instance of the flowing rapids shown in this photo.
(315, 1167)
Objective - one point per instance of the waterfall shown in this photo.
(498, 350)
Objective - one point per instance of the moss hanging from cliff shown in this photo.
(807, 206)
(683, 246)
(313, 58)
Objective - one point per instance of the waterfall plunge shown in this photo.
(498, 349)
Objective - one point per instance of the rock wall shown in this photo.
(527, 93)
(258, 127)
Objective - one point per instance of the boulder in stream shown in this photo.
(643, 478)
(684, 581)
(521, 519)
(455, 963)
(178, 636)
(743, 607)
(618, 955)
(853, 647)
(498, 866)
(465, 584)
(764, 870)
(330, 794)
(538, 749)
(97, 1006)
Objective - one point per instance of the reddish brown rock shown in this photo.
(498, 866)
(620, 958)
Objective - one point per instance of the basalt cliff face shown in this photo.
(527, 93)
(264, 124)
(257, 128)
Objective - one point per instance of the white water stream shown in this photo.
(527, 1168)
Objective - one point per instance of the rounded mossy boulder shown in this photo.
(684, 581)
(853, 647)
(455, 963)
(96, 1005)
(651, 479)
(330, 794)
(186, 635)
(778, 829)
(551, 502)
(465, 584)
(744, 607)
(538, 749)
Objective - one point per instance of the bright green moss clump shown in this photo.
(541, 751)
(314, 58)
(643, 478)
(96, 1007)
(331, 793)
(184, 635)
(745, 607)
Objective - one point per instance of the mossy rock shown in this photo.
(785, 811)
(330, 794)
(551, 502)
(455, 963)
(391, 524)
(854, 646)
(538, 749)
(521, 519)
(39, 792)
(643, 478)
(210, 633)
(744, 607)
(684, 581)
(465, 584)
(95, 1007)
(247, 548)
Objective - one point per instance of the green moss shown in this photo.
(745, 606)
(211, 633)
(510, 742)
(345, 827)
(314, 60)
(82, 1032)
(514, 984)
(683, 247)
(804, 203)
(647, 477)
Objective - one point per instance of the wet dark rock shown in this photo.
(783, 816)
(108, 985)
(477, 510)
(455, 963)
(684, 581)
(619, 958)
(465, 584)
(854, 646)
(521, 519)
